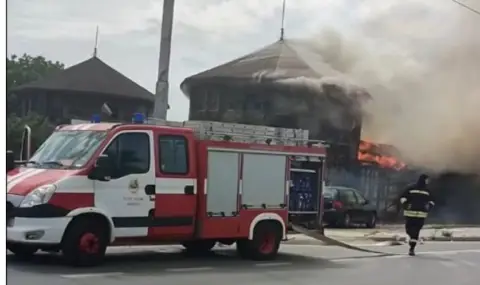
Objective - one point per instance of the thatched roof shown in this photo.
(284, 59)
(90, 76)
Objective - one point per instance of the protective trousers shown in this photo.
(413, 226)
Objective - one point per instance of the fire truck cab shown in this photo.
(93, 185)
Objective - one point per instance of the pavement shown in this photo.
(391, 233)
(436, 263)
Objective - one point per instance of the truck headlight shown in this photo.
(40, 195)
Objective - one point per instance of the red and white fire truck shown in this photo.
(98, 184)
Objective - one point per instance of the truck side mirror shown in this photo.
(102, 169)
(10, 160)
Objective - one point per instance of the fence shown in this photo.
(380, 186)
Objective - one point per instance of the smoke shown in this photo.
(420, 62)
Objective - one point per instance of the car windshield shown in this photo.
(67, 149)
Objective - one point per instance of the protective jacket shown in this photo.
(417, 200)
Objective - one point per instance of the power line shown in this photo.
(467, 7)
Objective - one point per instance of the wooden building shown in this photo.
(79, 91)
(285, 84)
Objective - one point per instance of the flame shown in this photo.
(381, 154)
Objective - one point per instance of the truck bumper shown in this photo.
(48, 231)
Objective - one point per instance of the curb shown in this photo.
(313, 241)
(384, 239)
(374, 240)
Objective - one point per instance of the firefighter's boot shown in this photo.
(411, 252)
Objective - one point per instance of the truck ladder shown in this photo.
(218, 131)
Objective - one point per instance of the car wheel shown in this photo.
(372, 221)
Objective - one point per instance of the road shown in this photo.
(436, 263)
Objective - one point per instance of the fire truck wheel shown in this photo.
(85, 242)
(22, 251)
(265, 242)
(198, 247)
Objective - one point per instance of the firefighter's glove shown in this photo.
(429, 206)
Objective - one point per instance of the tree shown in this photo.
(25, 69)
(41, 129)
(22, 70)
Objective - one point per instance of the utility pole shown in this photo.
(282, 28)
(95, 47)
(161, 90)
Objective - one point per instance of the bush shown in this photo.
(41, 129)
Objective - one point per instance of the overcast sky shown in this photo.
(206, 32)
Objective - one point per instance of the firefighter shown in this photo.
(417, 202)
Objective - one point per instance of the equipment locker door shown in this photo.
(175, 185)
(124, 196)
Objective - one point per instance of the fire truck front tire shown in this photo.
(264, 244)
(85, 242)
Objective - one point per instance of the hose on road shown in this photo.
(330, 241)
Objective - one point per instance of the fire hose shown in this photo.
(330, 241)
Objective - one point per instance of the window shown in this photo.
(173, 154)
(70, 148)
(130, 153)
(330, 193)
(350, 197)
(360, 198)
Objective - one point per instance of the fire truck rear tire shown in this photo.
(85, 242)
(265, 243)
(198, 247)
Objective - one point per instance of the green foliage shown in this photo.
(25, 69)
(22, 70)
(40, 126)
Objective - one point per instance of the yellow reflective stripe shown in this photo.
(415, 214)
(419, 192)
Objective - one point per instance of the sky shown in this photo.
(206, 33)
(419, 59)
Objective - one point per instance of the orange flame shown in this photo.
(369, 152)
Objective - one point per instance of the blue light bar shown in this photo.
(95, 119)
(138, 118)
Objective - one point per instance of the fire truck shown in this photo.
(151, 182)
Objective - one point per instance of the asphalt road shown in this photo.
(436, 263)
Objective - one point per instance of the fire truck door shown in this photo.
(175, 191)
(124, 197)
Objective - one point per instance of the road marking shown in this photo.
(189, 269)
(400, 255)
(449, 264)
(271, 264)
(380, 244)
(91, 275)
(469, 263)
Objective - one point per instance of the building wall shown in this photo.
(326, 119)
(60, 107)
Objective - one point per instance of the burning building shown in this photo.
(288, 84)
(285, 84)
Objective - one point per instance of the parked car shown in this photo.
(346, 207)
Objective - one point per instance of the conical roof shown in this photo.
(90, 76)
(280, 60)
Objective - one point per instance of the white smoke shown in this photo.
(420, 61)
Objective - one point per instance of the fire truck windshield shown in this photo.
(67, 149)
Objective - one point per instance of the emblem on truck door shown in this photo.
(133, 186)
